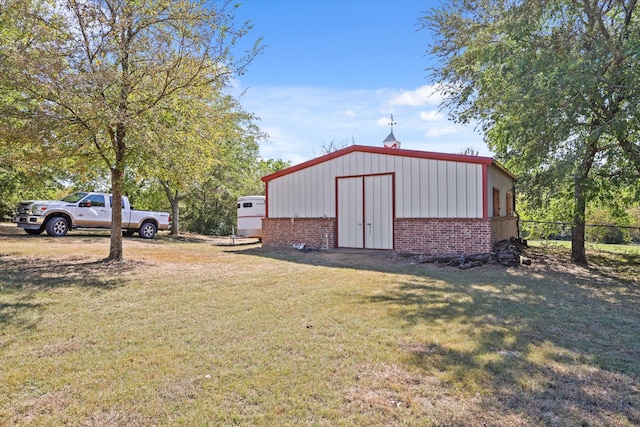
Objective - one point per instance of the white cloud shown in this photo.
(437, 131)
(424, 95)
(431, 116)
(302, 120)
(383, 121)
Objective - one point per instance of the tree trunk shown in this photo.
(174, 200)
(118, 142)
(578, 253)
(175, 218)
(115, 248)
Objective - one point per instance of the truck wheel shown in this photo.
(147, 230)
(57, 226)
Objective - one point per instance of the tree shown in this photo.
(211, 204)
(469, 151)
(335, 146)
(554, 84)
(98, 72)
(200, 130)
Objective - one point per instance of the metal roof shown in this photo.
(462, 158)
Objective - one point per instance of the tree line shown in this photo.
(555, 86)
(133, 96)
(130, 96)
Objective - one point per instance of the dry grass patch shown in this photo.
(194, 332)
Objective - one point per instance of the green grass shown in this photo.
(185, 332)
(632, 249)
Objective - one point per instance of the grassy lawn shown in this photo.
(190, 332)
(630, 249)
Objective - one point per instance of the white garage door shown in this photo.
(365, 212)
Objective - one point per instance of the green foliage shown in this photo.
(634, 214)
(606, 228)
(609, 220)
(16, 185)
(145, 195)
(210, 207)
(469, 151)
(205, 134)
(95, 84)
(554, 86)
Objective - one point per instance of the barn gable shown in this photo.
(366, 196)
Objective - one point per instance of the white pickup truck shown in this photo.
(86, 210)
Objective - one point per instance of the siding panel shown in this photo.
(472, 192)
(416, 207)
(433, 189)
(423, 182)
(442, 190)
(424, 188)
(461, 190)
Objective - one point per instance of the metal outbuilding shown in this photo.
(388, 198)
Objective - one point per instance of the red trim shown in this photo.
(393, 211)
(337, 223)
(485, 191)
(266, 199)
(390, 152)
(366, 175)
(364, 211)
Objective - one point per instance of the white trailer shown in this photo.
(251, 210)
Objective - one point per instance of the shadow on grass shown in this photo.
(42, 274)
(20, 278)
(541, 347)
(552, 344)
(82, 235)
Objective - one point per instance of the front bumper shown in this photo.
(30, 222)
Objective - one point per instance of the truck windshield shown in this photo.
(74, 197)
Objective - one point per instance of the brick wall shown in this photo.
(313, 232)
(439, 236)
(411, 235)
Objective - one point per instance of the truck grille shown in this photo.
(23, 209)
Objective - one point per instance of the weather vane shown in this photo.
(391, 123)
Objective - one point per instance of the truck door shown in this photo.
(93, 212)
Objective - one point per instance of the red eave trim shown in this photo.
(266, 200)
(389, 152)
(485, 192)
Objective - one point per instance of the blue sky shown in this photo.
(333, 71)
